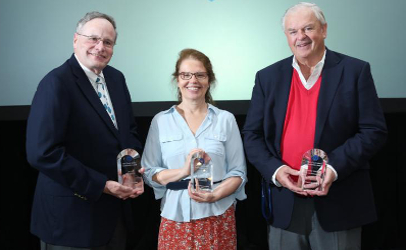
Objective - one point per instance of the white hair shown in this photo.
(316, 10)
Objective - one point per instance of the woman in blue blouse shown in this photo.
(195, 219)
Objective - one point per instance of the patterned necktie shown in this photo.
(101, 91)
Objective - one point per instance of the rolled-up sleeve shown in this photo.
(152, 160)
(235, 157)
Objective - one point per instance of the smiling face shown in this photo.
(193, 89)
(305, 35)
(94, 56)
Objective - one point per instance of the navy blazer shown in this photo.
(73, 143)
(350, 128)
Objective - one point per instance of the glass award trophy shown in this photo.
(201, 173)
(128, 164)
(312, 169)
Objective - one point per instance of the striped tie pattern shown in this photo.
(101, 91)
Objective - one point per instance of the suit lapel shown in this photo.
(90, 94)
(331, 76)
(281, 96)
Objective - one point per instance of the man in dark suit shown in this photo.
(80, 119)
(316, 98)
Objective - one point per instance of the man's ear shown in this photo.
(75, 38)
(324, 27)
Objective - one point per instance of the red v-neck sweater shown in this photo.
(300, 121)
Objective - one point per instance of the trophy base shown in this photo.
(203, 184)
(310, 179)
(133, 181)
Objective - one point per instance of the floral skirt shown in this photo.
(211, 233)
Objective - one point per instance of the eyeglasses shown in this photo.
(188, 75)
(94, 40)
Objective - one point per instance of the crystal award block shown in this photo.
(201, 173)
(312, 169)
(128, 164)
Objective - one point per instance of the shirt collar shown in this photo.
(214, 109)
(211, 108)
(314, 75)
(90, 74)
(170, 110)
(317, 68)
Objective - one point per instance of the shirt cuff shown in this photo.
(335, 172)
(274, 177)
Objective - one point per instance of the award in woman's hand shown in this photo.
(312, 169)
(128, 165)
(201, 173)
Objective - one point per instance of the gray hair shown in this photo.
(92, 15)
(316, 10)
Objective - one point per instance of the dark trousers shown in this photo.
(117, 242)
(305, 232)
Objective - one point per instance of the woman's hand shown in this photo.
(200, 195)
(224, 189)
(171, 175)
(197, 163)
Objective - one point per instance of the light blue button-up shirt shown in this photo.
(169, 142)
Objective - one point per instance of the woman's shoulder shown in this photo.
(164, 114)
(221, 113)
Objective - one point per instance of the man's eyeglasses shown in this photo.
(188, 75)
(94, 40)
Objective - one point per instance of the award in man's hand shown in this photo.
(201, 173)
(312, 169)
(128, 165)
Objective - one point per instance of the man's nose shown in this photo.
(100, 45)
(301, 34)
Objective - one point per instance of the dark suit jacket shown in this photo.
(350, 128)
(74, 145)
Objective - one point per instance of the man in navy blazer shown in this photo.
(348, 125)
(74, 142)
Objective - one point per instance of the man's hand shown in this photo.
(120, 191)
(283, 176)
(325, 186)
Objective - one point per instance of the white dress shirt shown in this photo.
(92, 78)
